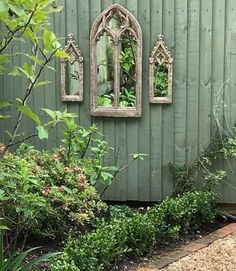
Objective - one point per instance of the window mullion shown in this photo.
(116, 76)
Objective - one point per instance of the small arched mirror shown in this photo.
(72, 73)
(160, 73)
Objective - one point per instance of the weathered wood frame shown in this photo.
(134, 28)
(70, 48)
(160, 49)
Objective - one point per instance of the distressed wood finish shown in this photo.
(99, 27)
(160, 55)
(72, 50)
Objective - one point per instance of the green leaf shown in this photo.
(138, 155)
(50, 112)
(61, 54)
(17, 9)
(4, 59)
(68, 190)
(51, 68)
(28, 112)
(14, 71)
(4, 103)
(3, 117)
(42, 132)
(3, 6)
(28, 68)
(42, 83)
(49, 38)
(35, 59)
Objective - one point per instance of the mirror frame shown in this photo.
(71, 48)
(160, 55)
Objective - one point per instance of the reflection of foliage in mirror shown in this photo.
(73, 84)
(161, 80)
(127, 58)
(105, 71)
(72, 72)
(127, 97)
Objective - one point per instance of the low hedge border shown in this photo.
(136, 234)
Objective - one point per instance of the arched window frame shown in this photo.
(72, 48)
(134, 27)
(160, 49)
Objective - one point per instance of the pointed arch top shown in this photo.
(129, 21)
(160, 52)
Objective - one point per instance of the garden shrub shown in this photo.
(96, 250)
(141, 233)
(184, 213)
(136, 234)
(41, 195)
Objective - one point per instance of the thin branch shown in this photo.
(24, 27)
(86, 148)
(28, 92)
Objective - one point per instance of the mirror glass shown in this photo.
(105, 71)
(73, 82)
(127, 62)
(160, 80)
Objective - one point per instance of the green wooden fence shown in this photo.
(202, 38)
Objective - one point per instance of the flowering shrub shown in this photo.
(41, 195)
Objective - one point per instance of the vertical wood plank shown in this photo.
(60, 30)
(180, 74)
(144, 122)
(83, 22)
(121, 147)
(192, 80)
(156, 10)
(132, 134)
(168, 110)
(72, 27)
(218, 70)
(205, 70)
(109, 134)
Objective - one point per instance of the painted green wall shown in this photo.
(202, 38)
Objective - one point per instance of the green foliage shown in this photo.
(184, 213)
(134, 234)
(105, 100)
(41, 194)
(27, 22)
(161, 81)
(127, 97)
(16, 262)
(219, 148)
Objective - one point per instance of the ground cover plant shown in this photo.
(135, 234)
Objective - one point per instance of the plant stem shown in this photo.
(23, 103)
(24, 27)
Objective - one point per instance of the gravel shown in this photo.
(219, 256)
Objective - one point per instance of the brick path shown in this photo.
(193, 247)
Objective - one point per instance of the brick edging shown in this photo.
(190, 248)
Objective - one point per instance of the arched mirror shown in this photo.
(160, 73)
(116, 64)
(72, 73)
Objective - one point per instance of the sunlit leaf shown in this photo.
(42, 132)
(28, 112)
